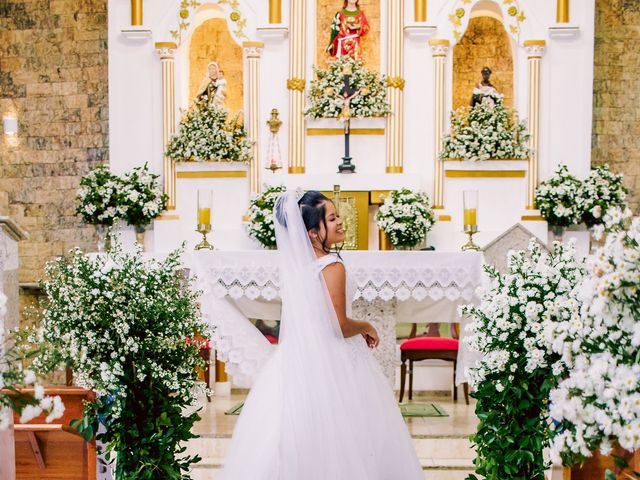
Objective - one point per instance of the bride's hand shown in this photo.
(371, 336)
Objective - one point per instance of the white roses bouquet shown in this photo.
(406, 217)
(261, 225)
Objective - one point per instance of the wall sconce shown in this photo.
(10, 125)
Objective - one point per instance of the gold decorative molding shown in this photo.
(439, 41)
(444, 218)
(188, 7)
(420, 10)
(396, 82)
(296, 170)
(532, 218)
(484, 173)
(511, 12)
(252, 53)
(376, 196)
(439, 51)
(394, 169)
(213, 174)
(275, 11)
(166, 51)
(340, 131)
(169, 216)
(136, 13)
(535, 50)
(562, 11)
(488, 160)
(296, 84)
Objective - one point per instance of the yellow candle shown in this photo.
(204, 216)
(470, 216)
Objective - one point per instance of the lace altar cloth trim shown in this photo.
(378, 275)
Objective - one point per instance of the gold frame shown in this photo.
(362, 206)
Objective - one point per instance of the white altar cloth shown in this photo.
(392, 287)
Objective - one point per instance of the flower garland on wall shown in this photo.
(597, 404)
(517, 370)
(206, 135)
(261, 225)
(325, 100)
(486, 131)
(406, 217)
(127, 328)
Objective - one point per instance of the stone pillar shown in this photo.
(275, 11)
(252, 52)
(167, 51)
(395, 85)
(10, 235)
(420, 10)
(296, 84)
(439, 50)
(535, 50)
(562, 11)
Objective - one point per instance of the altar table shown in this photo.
(392, 287)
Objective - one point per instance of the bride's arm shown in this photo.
(334, 277)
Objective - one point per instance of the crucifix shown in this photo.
(347, 93)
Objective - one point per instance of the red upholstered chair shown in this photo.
(426, 348)
(272, 340)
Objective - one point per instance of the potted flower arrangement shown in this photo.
(206, 134)
(129, 330)
(601, 190)
(596, 405)
(325, 100)
(260, 223)
(487, 131)
(142, 199)
(99, 202)
(405, 217)
(557, 200)
(518, 368)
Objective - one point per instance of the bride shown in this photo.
(320, 409)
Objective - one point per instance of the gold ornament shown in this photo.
(235, 16)
(396, 82)
(296, 84)
(513, 11)
(460, 12)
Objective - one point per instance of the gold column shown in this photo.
(275, 11)
(535, 50)
(395, 85)
(252, 52)
(420, 10)
(166, 51)
(136, 12)
(296, 84)
(562, 11)
(439, 50)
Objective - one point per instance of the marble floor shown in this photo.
(441, 443)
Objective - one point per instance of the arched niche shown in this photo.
(210, 40)
(326, 10)
(484, 43)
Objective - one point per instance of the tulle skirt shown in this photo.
(314, 416)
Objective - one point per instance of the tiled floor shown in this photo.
(441, 443)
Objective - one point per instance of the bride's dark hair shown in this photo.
(312, 207)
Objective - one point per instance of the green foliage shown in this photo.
(261, 225)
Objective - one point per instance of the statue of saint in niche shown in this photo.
(348, 27)
(213, 87)
(485, 89)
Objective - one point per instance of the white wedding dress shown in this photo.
(321, 408)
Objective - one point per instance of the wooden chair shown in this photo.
(416, 349)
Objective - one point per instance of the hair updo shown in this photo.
(312, 208)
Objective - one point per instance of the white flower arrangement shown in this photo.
(98, 201)
(517, 370)
(557, 199)
(206, 135)
(13, 378)
(325, 100)
(601, 190)
(406, 217)
(129, 329)
(598, 403)
(261, 223)
(141, 197)
(486, 131)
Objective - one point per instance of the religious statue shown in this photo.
(485, 89)
(213, 86)
(348, 27)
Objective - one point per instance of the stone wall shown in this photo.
(53, 76)
(485, 43)
(616, 97)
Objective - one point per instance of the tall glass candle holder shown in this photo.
(205, 203)
(470, 205)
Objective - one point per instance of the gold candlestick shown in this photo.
(470, 230)
(205, 202)
(204, 229)
(470, 205)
